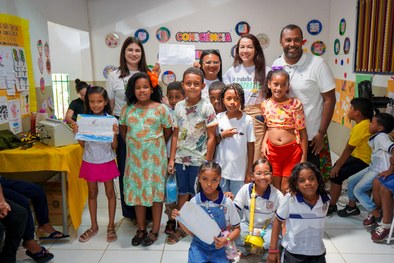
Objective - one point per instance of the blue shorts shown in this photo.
(388, 182)
(186, 178)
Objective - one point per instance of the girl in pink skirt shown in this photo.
(99, 164)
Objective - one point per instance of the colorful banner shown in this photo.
(206, 37)
(344, 93)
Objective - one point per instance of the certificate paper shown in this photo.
(175, 54)
(95, 128)
(199, 222)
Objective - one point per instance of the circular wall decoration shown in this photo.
(314, 27)
(318, 48)
(242, 28)
(346, 46)
(168, 76)
(342, 26)
(337, 46)
(142, 35)
(112, 40)
(264, 40)
(163, 34)
(108, 69)
(233, 51)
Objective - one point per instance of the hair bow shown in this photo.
(277, 68)
(154, 79)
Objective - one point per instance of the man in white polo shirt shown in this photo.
(311, 81)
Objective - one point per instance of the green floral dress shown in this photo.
(146, 159)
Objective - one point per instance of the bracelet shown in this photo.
(273, 251)
(228, 240)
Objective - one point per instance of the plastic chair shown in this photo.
(390, 236)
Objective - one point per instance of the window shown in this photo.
(61, 94)
(375, 33)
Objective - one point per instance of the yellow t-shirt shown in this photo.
(359, 136)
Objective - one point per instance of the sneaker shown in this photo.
(380, 234)
(370, 220)
(332, 209)
(349, 211)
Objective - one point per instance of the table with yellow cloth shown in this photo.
(42, 157)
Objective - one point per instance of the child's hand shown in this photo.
(229, 133)
(385, 174)
(220, 242)
(174, 214)
(74, 126)
(4, 209)
(115, 128)
(171, 168)
(334, 171)
(264, 149)
(273, 258)
(229, 195)
(156, 69)
(196, 64)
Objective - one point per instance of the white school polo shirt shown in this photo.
(381, 145)
(304, 224)
(265, 207)
(309, 77)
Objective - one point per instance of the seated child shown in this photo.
(267, 201)
(303, 209)
(215, 90)
(211, 198)
(360, 183)
(357, 153)
(383, 190)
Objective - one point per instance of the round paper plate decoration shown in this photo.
(112, 40)
(42, 85)
(337, 46)
(342, 26)
(346, 46)
(163, 34)
(108, 69)
(142, 35)
(264, 40)
(242, 28)
(233, 51)
(318, 48)
(168, 76)
(314, 27)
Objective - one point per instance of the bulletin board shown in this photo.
(344, 93)
(17, 91)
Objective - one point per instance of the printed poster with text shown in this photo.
(344, 93)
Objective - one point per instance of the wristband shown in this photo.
(273, 251)
(228, 240)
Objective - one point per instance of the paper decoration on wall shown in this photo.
(347, 60)
(108, 69)
(264, 40)
(336, 61)
(46, 49)
(40, 64)
(142, 35)
(168, 76)
(3, 110)
(233, 51)
(242, 28)
(25, 103)
(163, 34)
(314, 27)
(337, 46)
(346, 46)
(345, 75)
(198, 54)
(42, 85)
(341, 62)
(150, 67)
(318, 48)
(14, 116)
(342, 26)
(39, 47)
(48, 66)
(344, 93)
(112, 40)
(204, 37)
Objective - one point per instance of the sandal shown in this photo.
(87, 235)
(176, 236)
(42, 256)
(170, 227)
(111, 235)
(139, 236)
(149, 239)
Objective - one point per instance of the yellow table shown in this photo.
(66, 160)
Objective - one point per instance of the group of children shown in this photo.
(212, 144)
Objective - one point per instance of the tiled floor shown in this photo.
(346, 240)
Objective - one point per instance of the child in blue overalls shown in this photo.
(211, 198)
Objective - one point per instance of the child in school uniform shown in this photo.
(267, 201)
(220, 208)
(193, 139)
(235, 140)
(304, 210)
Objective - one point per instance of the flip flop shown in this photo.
(55, 236)
(42, 256)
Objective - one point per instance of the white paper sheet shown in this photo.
(175, 54)
(199, 222)
(95, 128)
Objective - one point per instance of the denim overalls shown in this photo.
(201, 252)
